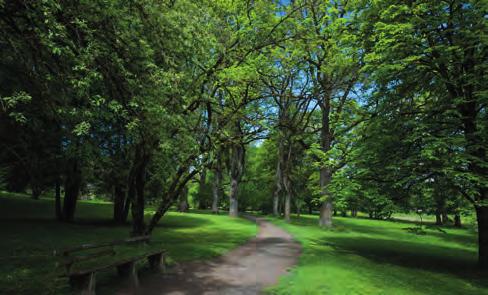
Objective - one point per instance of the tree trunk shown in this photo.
(217, 187)
(287, 207)
(233, 206)
(457, 220)
(326, 209)
(141, 161)
(201, 190)
(326, 214)
(71, 190)
(438, 218)
(120, 203)
(36, 192)
(445, 218)
(236, 170)
(183, 203)
(276, 193)
(57, 200)
(482, 218)
(354, 213)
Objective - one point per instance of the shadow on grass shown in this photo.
(458, 262)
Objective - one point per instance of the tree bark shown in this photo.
(233, 203)
(217, 186)
(445, 217)
(438, 218)
(287, 207)
(482, 218)
(457, 220)
(183, 204)
(201, 190)
(120, 203)
(326, 212)
(276, 193)
(57, 200)
(236, 169)
(71, 189)
(141, 161)
(326, 209)
(36, 192)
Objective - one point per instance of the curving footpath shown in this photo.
(247, 269)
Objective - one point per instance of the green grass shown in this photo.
(362, 256)
(29, 235)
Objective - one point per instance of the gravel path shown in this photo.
(245, 270)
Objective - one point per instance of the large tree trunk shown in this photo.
(287, 207)
(482, 217)
(236, 170)
(326, 209)
(217, 186)
(57, 200)
(141, 161)
(71, 189)
(326, 212)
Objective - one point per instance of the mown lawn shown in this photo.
(362, 256)
(29, 235)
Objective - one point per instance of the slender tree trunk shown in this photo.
(71, 190)
(233, 205)
(201, 190)
(183, 204)
(177, 186)
(438, 218)
(120, 202)
(326, 209)
(457, 220)
(482, 218)
(36, 192)
(276, 193)
(354, 212)
(57, 200)
(217, 187)
(445, 217)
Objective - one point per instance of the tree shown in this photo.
(430, 54)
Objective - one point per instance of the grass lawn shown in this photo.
(29, 234)
(362, 256)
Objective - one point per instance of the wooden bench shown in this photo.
(83, 280)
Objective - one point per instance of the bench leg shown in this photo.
(84, 284)
(156, 262)
(129, 271)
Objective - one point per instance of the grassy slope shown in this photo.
(361, 256)
(29, 235)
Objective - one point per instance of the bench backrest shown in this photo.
(86, 252)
